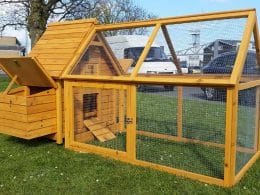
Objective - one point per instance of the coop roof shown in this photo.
(59, 44)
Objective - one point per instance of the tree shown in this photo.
(35, 14)
(114, 11)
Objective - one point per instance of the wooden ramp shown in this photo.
(99, 129)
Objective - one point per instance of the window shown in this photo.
(90, 105)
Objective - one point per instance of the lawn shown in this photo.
(41, 166)
(202, 120)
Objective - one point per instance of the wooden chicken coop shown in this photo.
(73, 86)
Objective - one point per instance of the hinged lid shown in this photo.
(28, 70)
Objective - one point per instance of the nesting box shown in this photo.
(28, 111)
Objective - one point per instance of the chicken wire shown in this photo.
(197, 44)
(251, 70)
(99, 117)
(194, 148)
(247, 127)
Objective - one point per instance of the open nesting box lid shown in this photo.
(28, 70)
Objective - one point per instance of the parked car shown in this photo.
(194, 69)
(223, 64)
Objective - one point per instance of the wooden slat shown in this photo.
(145, 51)
(41, 132)
(257, 41)
(54, 56)
(13, 108)
(99, 130)
(41, 116)
(66, 31)
(10, 85)
(63, 36)
(58, 41)
(179, 115)
(12, 131)
(177, 20)
(171, 48)
(59, 111)
(42, 124)
(69, 26)
(24, 68)
(17, 116)
(61, 61)
(14, 123)
(41, 108)
(54, 67)
(243, 48)
(57, 45)
(32, 101)
(37, 52)
(13, 99)
(84, 136)
(74, 22)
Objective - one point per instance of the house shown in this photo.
(220, 46)
(10, 47)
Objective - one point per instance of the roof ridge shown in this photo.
(67, 22)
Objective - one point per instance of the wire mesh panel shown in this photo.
(204, 114)
(247, 126)
(207, 47)
(157, 109)
(127, 45)
(99, 117)
(251, 69)
(179, 128)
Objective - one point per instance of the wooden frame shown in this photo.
(231, 83)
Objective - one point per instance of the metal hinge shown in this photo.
(128, 121)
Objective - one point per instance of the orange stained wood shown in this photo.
(59, 44)
(27, 72)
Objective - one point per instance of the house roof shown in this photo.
(59, 44)
(9, 41)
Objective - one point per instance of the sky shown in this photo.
(166, 8)
(169, 8)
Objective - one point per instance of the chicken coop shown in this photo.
(128, 101)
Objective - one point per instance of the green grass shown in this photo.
(202, 120)
(4, 81)
(41, 166)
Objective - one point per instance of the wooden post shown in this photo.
(121, 109)
(59, 137)
(257, 126)
(131, 123)
(145, 51)
(179, 117)
(242, 51)
(68, 109)
(230, 136)
(10, 85)
(257, 41)
(171, 48)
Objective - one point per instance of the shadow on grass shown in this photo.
(30, 143)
